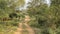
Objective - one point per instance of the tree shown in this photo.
(42, 11)
(9, 6)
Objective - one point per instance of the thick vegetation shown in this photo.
(9, 16)
(44, 17)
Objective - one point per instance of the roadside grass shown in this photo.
(8, 27)
(43, 30)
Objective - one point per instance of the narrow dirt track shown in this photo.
(28, 28)
(19, 29)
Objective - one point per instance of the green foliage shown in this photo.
(51, 15)
(7, 25)
(43, 17)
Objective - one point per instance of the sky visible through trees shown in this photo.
(27, 1)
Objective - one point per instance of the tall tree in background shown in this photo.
(9, 6)
(37, 5)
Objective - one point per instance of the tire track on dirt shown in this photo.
(28, 28)
(19, 29)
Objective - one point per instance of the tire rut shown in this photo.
(28, 28)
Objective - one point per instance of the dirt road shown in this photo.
(20, 29)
